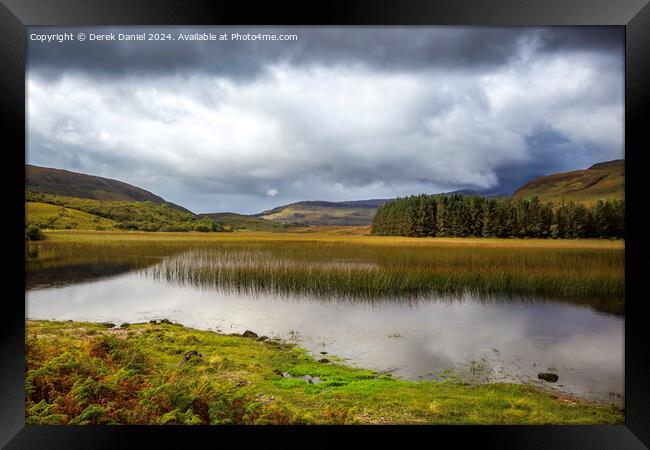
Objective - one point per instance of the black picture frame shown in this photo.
(634, 15)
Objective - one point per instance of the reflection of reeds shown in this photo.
(368, 267)
(78, 269)
(393, 278)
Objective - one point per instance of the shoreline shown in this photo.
(461, 374)
(280, 381)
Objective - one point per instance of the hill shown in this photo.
(602, 181)
(241, 222)
(54, 217)
(356, 212)
(45, 180)
(56, 211)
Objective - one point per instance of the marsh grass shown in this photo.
(366, 267)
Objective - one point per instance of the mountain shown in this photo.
(601, 181)
(356, 212)
(242, 222)
(346, 213)
(45, 180)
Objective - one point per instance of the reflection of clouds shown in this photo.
(585, 347)
(604, 351)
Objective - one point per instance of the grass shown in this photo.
(84, 373)
(335, 230)
(365, 266)
(58, 217)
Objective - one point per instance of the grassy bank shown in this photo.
(363, 266)
(83, 373)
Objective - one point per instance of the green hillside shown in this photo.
(46, 180)
(60, 199)
(141, 216)
(356, 213)
(603, 181)
(55, 217)
(241, 222)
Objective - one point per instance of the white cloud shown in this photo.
(317, 132)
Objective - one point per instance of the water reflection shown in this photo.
(414, 338)
(61, 270)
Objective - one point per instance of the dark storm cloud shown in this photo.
(598, 39)
(395, 48)
(339, 114)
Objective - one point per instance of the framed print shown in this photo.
(362, 217)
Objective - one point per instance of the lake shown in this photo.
(418, 336)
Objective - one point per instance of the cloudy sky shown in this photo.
(338, 114)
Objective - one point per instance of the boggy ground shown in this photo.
(163, 373)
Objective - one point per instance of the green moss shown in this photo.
(84, 373)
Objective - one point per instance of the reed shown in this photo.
(363, 266)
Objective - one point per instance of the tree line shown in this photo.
(466, 216)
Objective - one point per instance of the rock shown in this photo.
(307, 378)
(262, 338)
(165, 321)
(323, 353)
(546, 376)
(249, 334)
(264, 399)
(189, 355)
(323, 360)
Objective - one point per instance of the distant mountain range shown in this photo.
(357, 212)
(244, 222)
(354, 212)
(601, 181)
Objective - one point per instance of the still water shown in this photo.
(433, 337)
